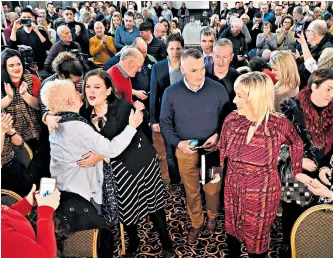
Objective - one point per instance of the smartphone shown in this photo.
(196, 147)
(26, 22)
(47, 186)
(298, 30)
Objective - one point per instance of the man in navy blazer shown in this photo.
(164, 74)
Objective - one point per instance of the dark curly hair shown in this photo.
(319, 76)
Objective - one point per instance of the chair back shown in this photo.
(312, 233)
(82, 244)
(8, 198)
(23, 154)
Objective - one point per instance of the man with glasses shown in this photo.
(195, 108)
(220, 70)
(318, 39)
(26, 32)
(164, 74)
(78, 30)
(126, 33)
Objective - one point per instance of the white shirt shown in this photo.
(188, 86)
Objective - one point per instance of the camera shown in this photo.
(26, 22)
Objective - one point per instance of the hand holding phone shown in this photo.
(47, 186)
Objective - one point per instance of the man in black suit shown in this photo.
(220, 70)
(164, 74)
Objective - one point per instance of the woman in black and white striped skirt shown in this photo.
(136, 171)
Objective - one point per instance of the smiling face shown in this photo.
(99, 29)
(116, 21)
(96, 91)
(14, 67)
(241, 101)
(223, 56)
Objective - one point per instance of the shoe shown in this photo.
(167, 253)
(211, 225)
(193, 235)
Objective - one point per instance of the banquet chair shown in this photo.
(312, 233)
(9, 198)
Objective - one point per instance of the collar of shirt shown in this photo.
(188, 86)
(204, 54)
(122, 71)
(172, 68)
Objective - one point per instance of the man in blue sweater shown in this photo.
(127, 33)
(195, 108)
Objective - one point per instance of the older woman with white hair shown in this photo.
(251, 139)
(75, 138)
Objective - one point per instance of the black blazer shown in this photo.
(140, 152)
(159, 81)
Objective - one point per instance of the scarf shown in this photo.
(319, 125)
(71, 116)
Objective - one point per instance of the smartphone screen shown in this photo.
(26, 21)
(47, 186)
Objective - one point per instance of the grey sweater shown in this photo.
(262, 43)
(69, 143)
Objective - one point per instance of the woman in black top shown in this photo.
(136, 171)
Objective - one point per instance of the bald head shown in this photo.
(131, 61)
(64, 34)
(319, 26)
(159, 30)
(141, 45)
(99, 29)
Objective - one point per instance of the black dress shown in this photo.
(136, 171)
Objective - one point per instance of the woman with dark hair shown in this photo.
(286, 34)
(174, 28)
(138, 180)
(19, 97)
(257, 64)
(107, 25)
(139, 184)
(166, 25)
(311, 112)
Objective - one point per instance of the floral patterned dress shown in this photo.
(252, 185)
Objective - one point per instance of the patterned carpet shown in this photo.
(208, 246)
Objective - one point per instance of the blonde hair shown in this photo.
(55, 95)
(259, 89)
(287, 67)
(212, 20)
(325, 59)
(112, 28)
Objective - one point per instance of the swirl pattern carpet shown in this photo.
(208, 246)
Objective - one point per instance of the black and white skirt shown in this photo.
(138, 194)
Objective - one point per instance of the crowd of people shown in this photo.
(117, 101)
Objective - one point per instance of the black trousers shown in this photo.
(106, 243)
(290, 213)
(159, 222)
(234, 247)
(15, 178)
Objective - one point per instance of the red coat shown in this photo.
(18, 239)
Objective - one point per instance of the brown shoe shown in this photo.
(193, 235)
(211, 225)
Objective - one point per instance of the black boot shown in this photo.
(133, 239)
(234, 246)
(159, 221)
(262, 255)
(105, 243)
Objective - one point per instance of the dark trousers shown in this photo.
(234, 247)
(172, 162)
(15, 178)
(159, 221)
(290, 213)
(105, 243)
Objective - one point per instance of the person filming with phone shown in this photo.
(18, 236)
(26, 32)
(318, 39)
